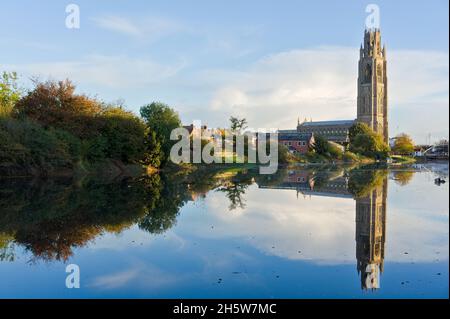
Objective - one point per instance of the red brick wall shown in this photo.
(297, 145)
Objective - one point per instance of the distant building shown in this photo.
(334, 131)
(371, 100)
(372, 84)
(296, 142)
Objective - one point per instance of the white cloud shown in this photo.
(146, 28)
(317, 83)
(320, 83)
(120, 72)
(118, 24)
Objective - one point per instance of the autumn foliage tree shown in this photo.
(55, 104)
(85, 127)
(404, 144)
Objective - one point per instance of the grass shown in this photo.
(400, 159)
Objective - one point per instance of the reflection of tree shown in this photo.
(163, 211)
(236, 187)
(50, 219)
(6, 248)
(234, 191)
(362, 181)
(403, 177)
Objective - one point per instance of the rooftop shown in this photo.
(328, 123)
(294, 135)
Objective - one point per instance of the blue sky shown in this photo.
(270, 61)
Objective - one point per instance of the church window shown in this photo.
(368, 73)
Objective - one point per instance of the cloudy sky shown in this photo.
(269, 61)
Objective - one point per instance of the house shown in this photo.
(296, 142)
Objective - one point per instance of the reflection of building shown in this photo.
(371, 235)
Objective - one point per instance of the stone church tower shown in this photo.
(372, 84)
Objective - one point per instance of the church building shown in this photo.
(371, 101)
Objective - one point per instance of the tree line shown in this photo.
(51, 127)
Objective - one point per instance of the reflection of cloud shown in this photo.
(323, 228)
(132, 238)
(283, 225)
(147, 276)
(116, 280)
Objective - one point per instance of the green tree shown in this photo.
(358, 128)
(161, 119)
(153, 153)
(321, 145)
(404, 144)
(9, 92)
(124, 133)
(363, 140)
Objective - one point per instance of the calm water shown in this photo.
(303, 233)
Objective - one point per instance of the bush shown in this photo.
(26, 145)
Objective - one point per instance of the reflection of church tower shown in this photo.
(371, 235)
(372, 84)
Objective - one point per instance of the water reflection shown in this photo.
(51, 218)
(369, 188)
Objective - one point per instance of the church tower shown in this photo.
(372, 84)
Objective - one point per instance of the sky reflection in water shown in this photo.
(304, 233)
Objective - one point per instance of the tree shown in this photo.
(237, 125)
(358, 128)
(9, 92)
(153, 153)
(363, 140)
(124, 133)
(404, 144)
(161, 119)
(321, 146)
(55, 104)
